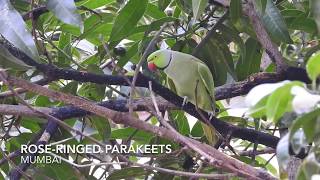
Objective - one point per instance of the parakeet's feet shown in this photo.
(185, 101)
(210, 114)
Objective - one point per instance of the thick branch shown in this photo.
(20, 91)
(142, 81)
(117, 105)
(220, 160)
(35, 13)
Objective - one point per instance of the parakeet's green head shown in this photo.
(159, 59)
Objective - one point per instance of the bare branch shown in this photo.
(117, 105)
(20, 90)
(227, 163)
(142, 60)
(264, 37)
(36, 12)
(67, 74)
(7, 109)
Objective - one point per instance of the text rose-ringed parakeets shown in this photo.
(189, 77)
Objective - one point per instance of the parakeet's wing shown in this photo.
(171, 85)
(206, 79)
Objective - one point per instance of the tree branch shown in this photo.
(221, 160)
(36, 12)
(263, 36)
(142, 81)
(20, 91)
(117, 105)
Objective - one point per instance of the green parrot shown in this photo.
(190, 78)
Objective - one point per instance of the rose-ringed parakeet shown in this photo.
(190, 78)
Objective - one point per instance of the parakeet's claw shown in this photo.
(185, 101)
(210, 114)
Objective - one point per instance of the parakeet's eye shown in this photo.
(152, 66)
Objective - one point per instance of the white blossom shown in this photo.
(260, 91)
(315, 177)
(303, 101)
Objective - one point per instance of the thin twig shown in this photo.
(142, 60)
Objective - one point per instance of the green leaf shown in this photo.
(313, 67)
(261, 5)
(66, 12)
(293, 13)
(21, 5)
(197, 130)
(245, 26)
(278, 101)
(177, 12)
(64, 45)
(185, 6)
(301, 23)
(227, 56)
(315, 6)
(231, 34)
(133, 50)
(163, 4)
(127, 132)
(269, 166)
(239, 121)
(14, 29)
(7, 60)
(93, 4)
(181, 121)
(45, 172)
(70, 88)
(307, 122)
(235, 11)
(198, 7)
(154, 12)
(62, 170)
(251, 62)
(43, 101)
(103, 127)
(127, 19)
(299, 20)
(275, 25)
(216, 54)
(93, 91)
(93, 26)
(128, 172)
(155, 25)
(259, 110)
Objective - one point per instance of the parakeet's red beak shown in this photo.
(152, 66)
